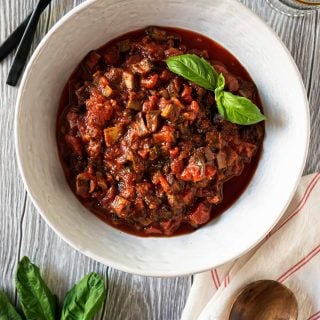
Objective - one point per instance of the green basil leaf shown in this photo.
(235, 109)
(239, 110)
(36, 300)
(7, 310)
(195, 69)
(84, 299)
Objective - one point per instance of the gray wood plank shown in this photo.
(12, 193)
(301, 36)
(23, 232)
(313, 161)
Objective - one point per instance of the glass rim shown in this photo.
(309, 3)
(294, 8)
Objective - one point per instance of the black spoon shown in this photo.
(25, 44)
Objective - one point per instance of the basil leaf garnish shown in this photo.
(84, 299)
(36, 299)
(239, 110)
(7, 311)
(195, 69)
(236, 109)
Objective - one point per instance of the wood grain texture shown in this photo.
(23, 232)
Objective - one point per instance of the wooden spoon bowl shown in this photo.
(265, 300)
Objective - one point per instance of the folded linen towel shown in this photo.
(290, 254)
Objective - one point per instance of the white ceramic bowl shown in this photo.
(285, 104)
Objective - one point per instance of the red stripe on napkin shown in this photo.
(226, 280)
(303, 201)
(214, 280)
(300, 264)
(217, 277)
(300, 206)
(315, 316)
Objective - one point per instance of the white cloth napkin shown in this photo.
(290, 254)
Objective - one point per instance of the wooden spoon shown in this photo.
(265, 300)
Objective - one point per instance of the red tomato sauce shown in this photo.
(146, 150)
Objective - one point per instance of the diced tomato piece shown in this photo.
(75, 144)
(174, 152)
(152, 230)
(186, 94)
(177, 166)
(150, 82)
(194, 106)
(210, 171)
(170, 226)
(151, 104)
(188, 196)
(143, 188)
(165, 75)
(195, 170)
(177, 103)
(158, 178)
(191, 116)
(93, 148)
(166, 134)
(143, 153)
(200, 215)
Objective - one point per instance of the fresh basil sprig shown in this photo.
(195, 69)
(7, 310)
(35, 297)
(84, 299)
(236, 109)
(82, 302)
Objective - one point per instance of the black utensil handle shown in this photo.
(13, 40)
(25, 45)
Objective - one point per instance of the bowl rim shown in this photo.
(109, 262)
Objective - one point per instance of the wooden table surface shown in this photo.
(23, 232)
